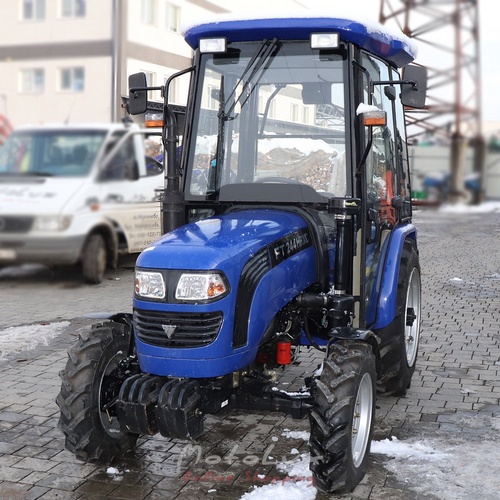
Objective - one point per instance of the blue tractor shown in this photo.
(287, 224)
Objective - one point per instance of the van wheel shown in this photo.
(400, 339)
(94, 259)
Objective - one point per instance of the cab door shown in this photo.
(382, 178)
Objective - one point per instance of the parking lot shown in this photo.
(440, 442)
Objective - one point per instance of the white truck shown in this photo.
(79, 195)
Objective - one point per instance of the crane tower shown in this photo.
(448, 36)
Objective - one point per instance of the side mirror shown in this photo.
(131, 170)
(138, 95)
(414, 88)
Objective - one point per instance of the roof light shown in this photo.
(213, 45)
(324, 40)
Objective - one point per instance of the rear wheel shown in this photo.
(94, 259)
(342, 417)
(96, 368)
(400, 340)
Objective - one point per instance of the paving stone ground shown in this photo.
(455, 393)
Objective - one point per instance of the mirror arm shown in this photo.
(413, 83)
(134, 90)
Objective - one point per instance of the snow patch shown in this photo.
(296, 434)
(16, 339)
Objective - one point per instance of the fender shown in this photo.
(388, 291)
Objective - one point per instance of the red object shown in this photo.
(284, 352)
(5, 129)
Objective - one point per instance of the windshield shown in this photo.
(269, 117)
(58, 153)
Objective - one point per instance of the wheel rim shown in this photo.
(412, 317)
(362, 420)
(109, 388)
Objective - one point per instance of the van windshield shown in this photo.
(57, 153)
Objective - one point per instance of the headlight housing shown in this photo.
(149, 284)
(52, 223)
(201, 286)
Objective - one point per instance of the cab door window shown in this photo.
(382, 175)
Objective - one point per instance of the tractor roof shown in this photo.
(394, 47)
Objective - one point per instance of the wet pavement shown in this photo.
(454, 397)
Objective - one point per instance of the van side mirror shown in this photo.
(138, 95)
(132, 170)
(414, 86)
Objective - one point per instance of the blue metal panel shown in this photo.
(226, 243)
(395, 49)
(388, 293)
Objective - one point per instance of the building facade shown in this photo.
(69, 60)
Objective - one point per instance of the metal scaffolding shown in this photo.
(448, 35)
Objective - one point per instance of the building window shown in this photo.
(148, 11)
(32, 81)
(294, 112)
(73, 8)
(173, 90)
(305, 115)
(33, 10)
(150, 82)
(172, 17)
(72, 79)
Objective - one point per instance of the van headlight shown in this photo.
(201, 286)
(52, 222)
(149, 285)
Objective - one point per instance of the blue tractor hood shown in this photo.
(217, 242)
(267, 257)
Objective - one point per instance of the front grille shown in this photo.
(166, 329)
(12, 224)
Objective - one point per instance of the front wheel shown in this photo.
(342, 418)
(96, 368)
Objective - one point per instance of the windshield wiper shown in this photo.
(213, 180)
(266, 52)
(260, 59)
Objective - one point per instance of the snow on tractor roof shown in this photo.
(391, 45)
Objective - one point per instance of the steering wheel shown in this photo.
(281, 180)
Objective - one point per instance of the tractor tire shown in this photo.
(342, 417)
(94, 373)
(399, 340)
(94, 259)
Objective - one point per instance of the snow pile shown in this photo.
(462, 208)
(296, 434)
(297, 485)
(398, 449)
(16, 339)
(449, 472)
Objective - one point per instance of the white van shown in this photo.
(78, 194)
